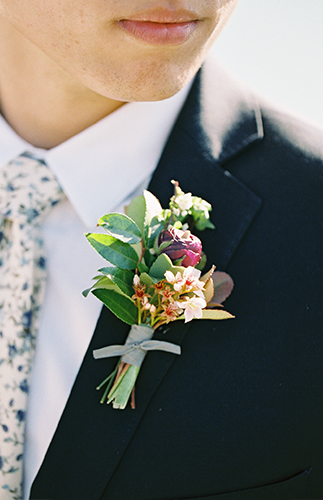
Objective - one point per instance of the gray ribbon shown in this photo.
(137, 344)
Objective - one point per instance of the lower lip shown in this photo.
(159, 33)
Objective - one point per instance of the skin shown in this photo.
(66, 64)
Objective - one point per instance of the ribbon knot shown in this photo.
(137, 344)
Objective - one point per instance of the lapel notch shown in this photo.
(218, 122)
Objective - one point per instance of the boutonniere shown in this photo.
(154, 277)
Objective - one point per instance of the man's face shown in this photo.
(126, 50)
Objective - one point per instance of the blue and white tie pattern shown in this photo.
(28, 190)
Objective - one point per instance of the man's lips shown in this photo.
(162, 33)
(161, 26)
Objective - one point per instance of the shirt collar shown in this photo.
(102, 166)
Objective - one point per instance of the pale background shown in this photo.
(276, 48)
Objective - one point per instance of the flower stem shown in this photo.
(121, 371)
(109, 379)
(133, 405)
(142, 251)
(139, 311)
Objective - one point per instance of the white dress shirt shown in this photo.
(100, 170)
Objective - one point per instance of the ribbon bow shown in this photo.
(137, 344)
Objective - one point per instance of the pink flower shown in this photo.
(140, 290)
(171, 311)
(183, 246)
(192, 307)
(189, 282)
(166, 293)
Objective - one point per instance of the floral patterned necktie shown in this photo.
(28, 190)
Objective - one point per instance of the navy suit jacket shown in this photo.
(239, 415)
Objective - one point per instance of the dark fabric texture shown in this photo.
(239, 414)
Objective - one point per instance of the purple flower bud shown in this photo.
(182, 244)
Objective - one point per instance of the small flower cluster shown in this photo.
(169, 298)
(186, 210)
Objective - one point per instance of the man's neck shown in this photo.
(39, 100)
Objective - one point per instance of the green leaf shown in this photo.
(124, 274)
(211, 314)
(162, 246)
(138, 248)
(147, 280)
(153, 207)
(115, 251)
(153, 226)
(160, 266)
(201, 265)
(216, 314)
(142, 268)
(102, 282)
(121, 227)
(149, 258)
(203, 224)
(205, 277)
(124, 287)
(156, 227)
(137, 211)
(163, 264)
(123, 278)
(121, 305)
(145, 210)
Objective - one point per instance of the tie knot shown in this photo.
(28, 189)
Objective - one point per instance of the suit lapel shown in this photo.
(91, 438)
(208, 134)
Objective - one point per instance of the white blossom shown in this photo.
(192, 308)
(184, 201)
(136, 280)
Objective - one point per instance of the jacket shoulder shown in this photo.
(290, 134)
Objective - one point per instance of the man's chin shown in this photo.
(154, 88)
(160, 95)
